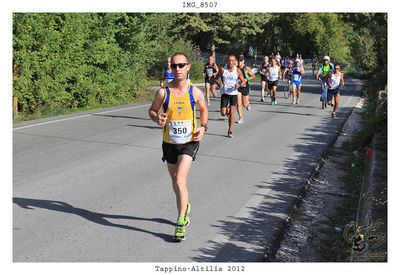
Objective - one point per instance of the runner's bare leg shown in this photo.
(179, 173)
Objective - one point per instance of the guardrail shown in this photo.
(366, 233)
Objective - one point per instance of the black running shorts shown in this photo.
(244, 90)
(172, 151)
(263, 78)
(332, 92)
(210, 80)
(271, 84)
(231, 99)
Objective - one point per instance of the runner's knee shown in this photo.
(180, 181)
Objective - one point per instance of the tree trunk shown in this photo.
(214, 33)
(15, 106)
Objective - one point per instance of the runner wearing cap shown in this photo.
(324, 69)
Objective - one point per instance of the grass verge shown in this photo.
(328, 243)
(48, 111)
(335, 248)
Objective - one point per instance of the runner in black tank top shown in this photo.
(243, 92)
(210, 71)
(263, 73)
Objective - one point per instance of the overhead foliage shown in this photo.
(84, 59)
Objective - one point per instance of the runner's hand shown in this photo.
(220, 85)
(198, 134)
(162, 119)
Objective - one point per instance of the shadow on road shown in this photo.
(288, 113)
(257, 237)
(98, 218)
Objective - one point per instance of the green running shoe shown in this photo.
(187, 220)
(180, 232)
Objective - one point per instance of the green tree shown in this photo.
(227, 31)
(367, 36)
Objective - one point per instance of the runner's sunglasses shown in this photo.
(180, 65)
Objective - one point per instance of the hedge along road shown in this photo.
(92, 187)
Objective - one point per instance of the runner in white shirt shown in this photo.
(229, 89)
(335, 81)
(274, 74)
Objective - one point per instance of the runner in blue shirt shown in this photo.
(167, 75)
(297, 77)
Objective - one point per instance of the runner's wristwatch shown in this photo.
(205, 127)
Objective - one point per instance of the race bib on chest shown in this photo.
(209, 71)
(296, 77)
(180, 131)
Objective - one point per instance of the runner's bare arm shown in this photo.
(241, 77)
(318, 72)
(201, 104)
(161, 118)
(329, 75)
(162, 79)
(216, 69)
(266, 71)
(341, 79)
(250, 72)
(219, 74)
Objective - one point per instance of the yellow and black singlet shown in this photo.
(181, 116)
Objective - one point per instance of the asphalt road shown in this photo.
(92, 187)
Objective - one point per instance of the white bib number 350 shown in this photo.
(180, 131)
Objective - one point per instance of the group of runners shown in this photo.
(178, 99)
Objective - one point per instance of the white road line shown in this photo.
(127, 108)
(64, 119)
(48, 122)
